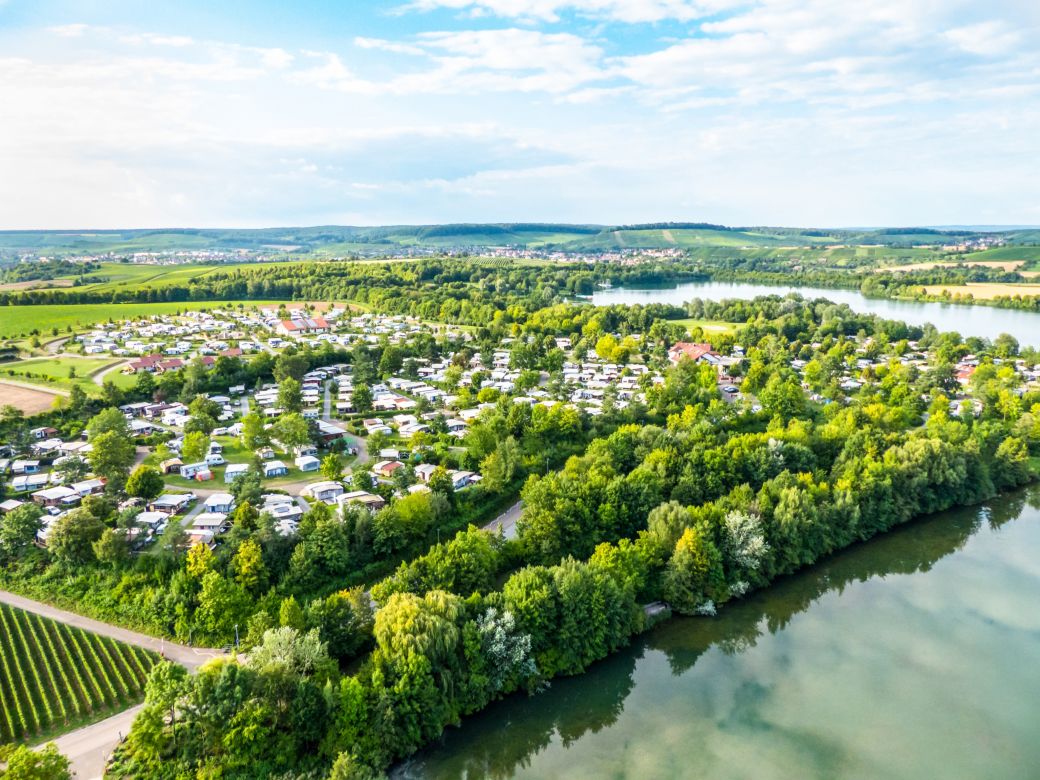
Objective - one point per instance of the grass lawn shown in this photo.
(54, 372)
(234, 452)
(59, 367)
(708, 326)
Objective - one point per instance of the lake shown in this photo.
(986, 321)
(914, 655)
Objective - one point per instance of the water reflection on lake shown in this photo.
(914, 655)
(985, 321)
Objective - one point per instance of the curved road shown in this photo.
(354, 441)
(99, 376)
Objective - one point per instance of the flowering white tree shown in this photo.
(744, 547)
(508, 652)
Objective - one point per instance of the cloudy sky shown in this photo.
(257, 113)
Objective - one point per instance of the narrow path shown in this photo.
(88, 748)
(353, 441)
(506, 522)
(54, 346)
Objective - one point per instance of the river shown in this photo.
(914, 655)
(985, 321)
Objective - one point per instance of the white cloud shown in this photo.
(471, 61)
(992, 38)
(783, 111)
(630, 11)
(68, 30)
(384, 45)
(154, 39)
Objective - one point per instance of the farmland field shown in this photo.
(985, 291)
(29, 401)
(54, 677)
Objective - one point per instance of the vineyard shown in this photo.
(53, 676)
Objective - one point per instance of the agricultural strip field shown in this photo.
(54, 677)
(985, 291)
(18, 320)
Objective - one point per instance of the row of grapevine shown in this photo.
(53, 676)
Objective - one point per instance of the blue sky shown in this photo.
(781, 112)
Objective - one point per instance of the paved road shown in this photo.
(54, 346)
(353, 441)
(88, 748)
(507, 521)
(326, 415)
(99, 376)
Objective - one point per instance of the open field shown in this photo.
(1029, 254)
(343, 240)
(985, 291)
(54, 677)
(708, 326)
(29, 400)
(18, 320)
(36, 284)
(59, 367)
(54, 372)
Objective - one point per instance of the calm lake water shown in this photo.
(916, 655)
(985, 321)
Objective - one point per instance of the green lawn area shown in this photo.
(59, 367)
(54, 372)
(234, 452)
(708, 326)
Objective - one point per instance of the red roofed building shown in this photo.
(303, 325)
(145, 363)
(695, 352)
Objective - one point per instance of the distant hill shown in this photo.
(343, 240)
